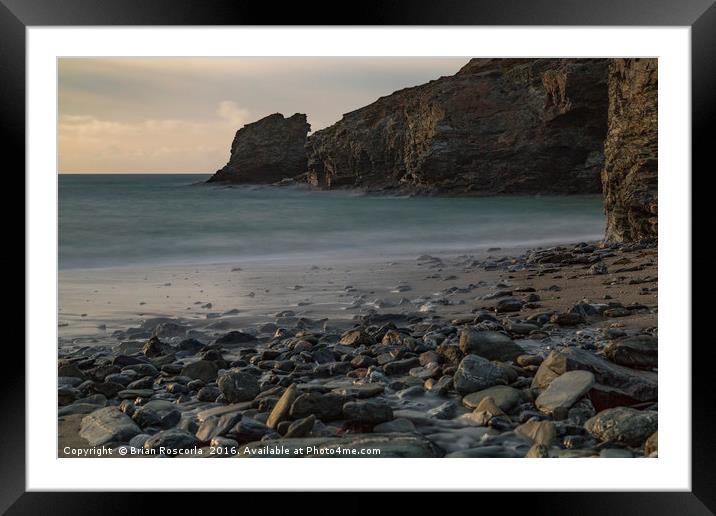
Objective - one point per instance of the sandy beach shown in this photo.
(434, 355)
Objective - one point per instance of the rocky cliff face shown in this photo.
(630, 170)
(267, 151)
(497, 126)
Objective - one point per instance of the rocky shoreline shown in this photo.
(556, 358)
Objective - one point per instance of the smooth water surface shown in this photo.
(130, 220)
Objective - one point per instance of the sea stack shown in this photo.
(630, 176)
(498, 126)
(266, 151)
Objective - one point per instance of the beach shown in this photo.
(435, 354)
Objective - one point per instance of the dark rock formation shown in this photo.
(630, 169)
(267, 151)
(497, 126)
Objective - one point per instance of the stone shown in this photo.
(447, 410)
(598, 268)
(154, 347)
(203, 370)
(120, 378)
(476, 373)
(509, 304)
(70, 370)
(563, 392)
(624, 425)
(266, 151)
(400, 366)
(300, 427)
(248, 429)
(441, 387)
(356, 338)
(169, 329)
(208, 393)
(361, 391)
(107, 425)
(504, 396)
(236, 339)
(142, 369)
(157, 413)
(630, 175)
(539, 432)
(224, 445)
(109, 389)
(326, 407)
(190, 345)
(170, 442)
(219, 411)
(629, 384)
(138, 440)
(282, 408)
(238, 386)
(491, 345)
(370, 412)
(489, 406)
(400, 425)
(520, 328)
(639, 352)
(537, 451)
(130, 394)
(651, 445)
(529, 360)
(68, 381)
(66, 395)
(567, 319)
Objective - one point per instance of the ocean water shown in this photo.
(133, 220)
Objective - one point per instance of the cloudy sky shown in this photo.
(180, 114)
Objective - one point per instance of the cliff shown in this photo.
(267, 151)
(629, 177)
(498, 126)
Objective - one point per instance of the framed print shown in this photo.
(424, 242)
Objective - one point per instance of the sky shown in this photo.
(179, 115)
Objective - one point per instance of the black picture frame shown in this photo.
(700, 15)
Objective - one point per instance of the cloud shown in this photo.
(88, 143)
(232, 113)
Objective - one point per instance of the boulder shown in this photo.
(503, 396)
(369, 412)
(476, 373)
(170, 442)
(238, 386)
(325, 407)
(623, 425)
(563, 392)
(203, 370)
(491, 345)
(107, 425)
(539, 432)
(639, 351)
(628, 383)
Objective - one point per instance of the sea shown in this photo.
(130, 220)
